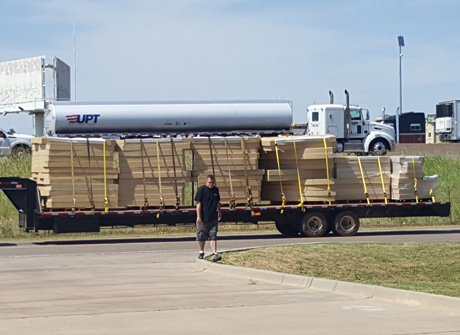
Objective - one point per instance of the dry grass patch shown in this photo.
(425, 267)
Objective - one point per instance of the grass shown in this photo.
(423, 267)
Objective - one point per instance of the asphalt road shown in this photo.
(174, 244)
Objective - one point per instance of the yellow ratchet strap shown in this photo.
(432, 195)
(298, 177)
(146, 200)
(383, 183)
(161, 207)
(364, 181)
(232, 195)
(106, 201)
(415, 181)
(175, 175)
(283, 197)
(73, 177)
(327, 172)
(248, 188)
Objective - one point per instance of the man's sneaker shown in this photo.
(201, 255)
(216, 258)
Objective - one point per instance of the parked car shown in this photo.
(16, 144)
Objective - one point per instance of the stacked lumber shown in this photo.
(405, 171)
(234, 161)
(313, 166)
(153, 172)
(351, 184)
(70, 173)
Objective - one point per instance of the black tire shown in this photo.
(314, 224)
(289, 230)
(346, 224)
(21, 150)
(379, 147)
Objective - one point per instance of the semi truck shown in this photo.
(351, 125)
(448, 121)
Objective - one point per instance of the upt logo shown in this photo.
(83, 118)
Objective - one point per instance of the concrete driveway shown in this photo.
(159, 292)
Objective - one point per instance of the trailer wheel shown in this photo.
(288, 230)
(346, 224)
(314, 224)
(379, 147)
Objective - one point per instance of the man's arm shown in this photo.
(198, 212)
(219, 212)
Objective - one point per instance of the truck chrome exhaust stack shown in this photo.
(331, 97)
(347, 116)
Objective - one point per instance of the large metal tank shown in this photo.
(188, 117)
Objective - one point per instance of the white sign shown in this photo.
(21, 81)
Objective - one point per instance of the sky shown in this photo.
(153, 50)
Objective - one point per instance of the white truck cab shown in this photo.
(351, 125)
(16, 144)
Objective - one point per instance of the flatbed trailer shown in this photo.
(312, 220)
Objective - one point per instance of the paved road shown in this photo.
(155, 287)
(225, 242)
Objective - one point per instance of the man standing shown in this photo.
(208, 214)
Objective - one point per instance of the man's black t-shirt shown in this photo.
(209, 198)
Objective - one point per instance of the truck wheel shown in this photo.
(314, 225)
(346, 224)
(20, 150)
(379, 147)
(286, 229)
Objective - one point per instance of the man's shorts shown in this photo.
(206, 231)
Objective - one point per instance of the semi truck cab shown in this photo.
(351, 125)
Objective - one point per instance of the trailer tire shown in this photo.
(288, 230)
(346, 224)
(314, 224)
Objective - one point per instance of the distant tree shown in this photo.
(11, 131)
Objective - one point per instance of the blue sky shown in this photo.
(243, 49)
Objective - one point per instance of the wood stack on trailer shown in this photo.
(75, 173)
(362, 178)
(300, 167)
(153, 172)
(234, 161)
(408, 179)
(158, 173)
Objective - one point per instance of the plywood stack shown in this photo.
(314, 163)
(349, 184)
(236, 166)
(70, 173)
(404, 170)
(151, 169)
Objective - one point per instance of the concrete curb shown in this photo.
(417, 299)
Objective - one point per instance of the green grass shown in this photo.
(11, 166)
(423, 267)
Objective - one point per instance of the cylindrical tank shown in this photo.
(83, 118)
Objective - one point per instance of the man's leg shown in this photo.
(213, 246)
(202, 244)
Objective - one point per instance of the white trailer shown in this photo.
(167, 117)
(448, 121)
